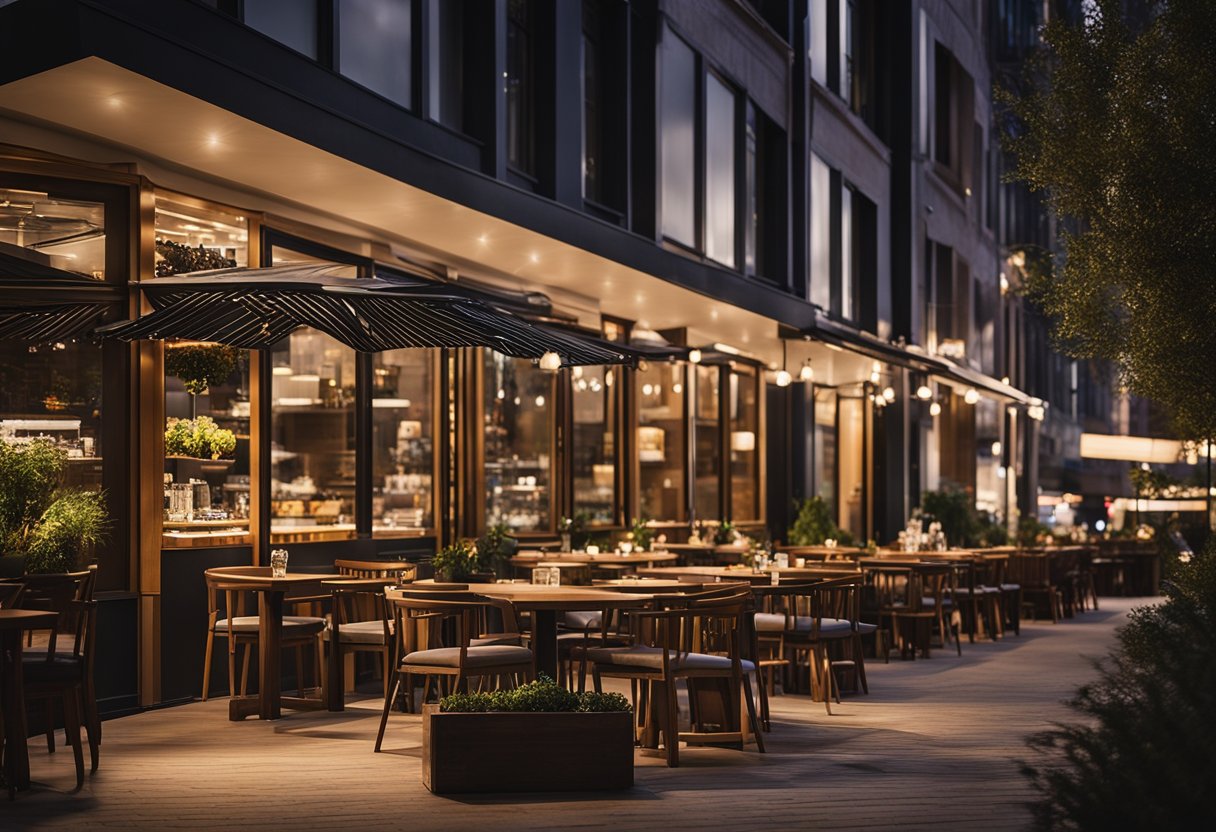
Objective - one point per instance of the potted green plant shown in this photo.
(201, 365)
(814, 525)
(199, 438)
(571, 741)
(45, 527)
(641, 534)
(496, 547)
(461, 563)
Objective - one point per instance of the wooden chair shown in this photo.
(228, 618)
(394, 572)
(65, 674)
(364, 622)
(1032, 571)
(55, 592)
(444, 635)
(701, 642)
(10, 594)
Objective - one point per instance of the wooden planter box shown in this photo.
(526, 752)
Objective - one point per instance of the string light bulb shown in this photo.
(783, 378)
(694, 356)
(971, 396)
(888, 393)
(807, 373)
(924, 392)
(935, 409)
(550, 361)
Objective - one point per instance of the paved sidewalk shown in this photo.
(933, 747)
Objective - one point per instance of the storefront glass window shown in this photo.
(659, 390)
(375, 46)
(744, 446)
(67, 234)
(192, 236)
(403, 453)
(708, 438)
(825, 446)
(851, 472)
(290, 22)
(518, 406)
(594, 445)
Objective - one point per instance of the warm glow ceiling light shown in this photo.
(550, 361)
(888, 393)
(935, 409)
(694, 356)
(783, 378)
(972, 396)
(807, 373)
(924, 392)
(996, 448)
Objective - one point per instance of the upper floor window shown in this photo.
(953, 117)
(375, 46)
(445, 70)
(720, 173)
(678, 151)
(521, 85)
(843, 54)
(290, 22)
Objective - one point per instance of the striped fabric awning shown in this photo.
(40, 304)
(256, 308)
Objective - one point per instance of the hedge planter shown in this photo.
(526, 752)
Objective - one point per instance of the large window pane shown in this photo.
(192, 236)
(846, 254)
(518, 402)
(312, 457)
(659, 391)
(375, 46)
(290, 22)
(445, 75)
(678, 113)
(403, 454)
(719, 171)
(593, 102)
(825, 446)
(744, 446)
(707, 426)
(594, 446)
(521, 82)
(850, 471)
(68, 234)
(821, 234)
(53, 392)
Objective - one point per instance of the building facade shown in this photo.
(800, 196)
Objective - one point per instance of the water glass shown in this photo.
(278, 563)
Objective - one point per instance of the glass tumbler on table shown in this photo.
(278, 563)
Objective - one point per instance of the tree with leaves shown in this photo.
(1118, 129)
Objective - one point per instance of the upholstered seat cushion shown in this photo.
(492, 639)
(488, 656)
(651, 658)
(582, 619)
(928, 601)
(293, 625)
(772, 622)
(62, 668)
(361, 632)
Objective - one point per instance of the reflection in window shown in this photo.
(719, 171)
(290, 22)
(403, 456)
(708, 437)
(659, 390)
(312, 456)
(820, 277)
(744, 448)
(53, 392)
(678, 111)
(825, 445)
(445, 76)
(67, 234)
(518, 403)
(191, 236)
(206, 445)
(520, 85)
(594, 445)
(850, 471)
(375, 46)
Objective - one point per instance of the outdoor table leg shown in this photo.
(270, 655)
(544, 641)
(16, 752)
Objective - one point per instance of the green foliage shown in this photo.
(201, 438)
(1143, 753)
(458, 561)
(54, 527)
(989, 531)
(1151, 484)
(955, 510)
(70, 527)
(1117, 130)
(641, 534)
(1030, 530)
(814, 524)
(178, 258)
(29, 476)
(201, 365)
(724, 534)
(540, 696)
(496, 547)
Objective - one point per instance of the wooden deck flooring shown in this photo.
(933, 747)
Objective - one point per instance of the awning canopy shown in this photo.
(257, 308)
(39, 303)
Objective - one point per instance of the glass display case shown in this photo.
(403, 454)
(517, 402)
(659, 392)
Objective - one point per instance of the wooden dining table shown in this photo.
(269, 701)
(746, 574)
(528, 557)
(545, 602)
(13, 624)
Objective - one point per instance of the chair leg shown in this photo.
(207, 664)
(751, 708)
(388, 701)
(671, 733)
(299, 670)
(71, 721)
(824, 663)
(232, 670)
(92, 724)
(859, 661)
(245, 669)
(50, 726)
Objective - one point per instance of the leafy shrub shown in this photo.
(814, 524)
(72, 525)
(641, 534)
(540, 696)
(954, 508)
(201, 365)
(458, 561)
(1143, 755)
(495, 548)
(201, 438)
